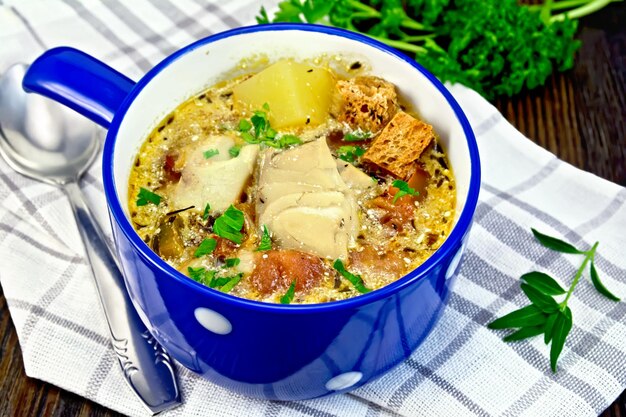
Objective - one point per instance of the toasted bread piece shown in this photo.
(399, 145)
(366, 103)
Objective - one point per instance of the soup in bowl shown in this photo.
(286, 243)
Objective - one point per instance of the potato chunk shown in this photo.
(295, 92)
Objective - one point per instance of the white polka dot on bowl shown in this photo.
(213, 321)
(343, 381)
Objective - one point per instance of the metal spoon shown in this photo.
(45, 141)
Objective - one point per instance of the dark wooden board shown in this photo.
(579, 115)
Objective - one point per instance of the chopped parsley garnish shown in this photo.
(356, 280)
(230, 262)
(403, 189)
(350, 153)
(288, 297)
(258, 130)
(209, 153)
(205, 213)
(217, 282)
(234, 280)
(146, 196)
(266, 240)
(207, 246)
(244, 125)
(201, 275)
(208, 278)
(234, 151)
(357, 136)
(229, 225)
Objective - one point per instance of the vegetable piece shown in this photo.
(168, 243)
(350, 153)
(210, 152)
(266, 240)
(493, 46)
(274, 270)
(234, 151)
(295, 92)
(229, 225)
(288, 297)
(356, 280)
(231, 283)
(207, 246)
(205, 213)
(146, 196)
(403, 189)
(231, 262)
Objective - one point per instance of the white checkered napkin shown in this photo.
(462, 369)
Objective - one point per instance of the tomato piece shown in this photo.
(275, 270)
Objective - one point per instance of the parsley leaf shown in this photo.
(229, 225)
(350, 153)
(205, 213)
(403, 189)
(356, 280)
(234, 151)
(201, 275)
(258, 130)
(266, 240)
(232, 281)
(231, 262)
(146, 196)
(287, 298)
(209, 153)
(207, 246)
(357, 136)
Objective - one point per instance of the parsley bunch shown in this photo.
(258, 130)
(496, 47)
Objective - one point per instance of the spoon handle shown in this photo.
(147, 366)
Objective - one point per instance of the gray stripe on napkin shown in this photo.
(138, 26)
(28, 204)
(182, 20)
(47, 298)
(100, 373)
(59, 321)
(217, 11)
(422, 372)
(10, 229)
(568, 233)
(488, 124)
(29, 27)
(142, 63)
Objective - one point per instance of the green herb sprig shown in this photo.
(350, 153)
(146, 196)
(209, 153)
(545, 315)
(403, 189)
(207, 246)
(357, 136)
(287, 298)
(258, 130)
(496, 47)
(356, 280)
(209, 278)
(229, 225)
(266, 241)
(205, 213)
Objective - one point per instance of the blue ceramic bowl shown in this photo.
(273, 351)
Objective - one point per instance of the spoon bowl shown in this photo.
(40, 138)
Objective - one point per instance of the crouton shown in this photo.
(399, 145)
(366, 103)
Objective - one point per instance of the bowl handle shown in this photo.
(80, 82)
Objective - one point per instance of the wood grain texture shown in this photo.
(579, 115)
